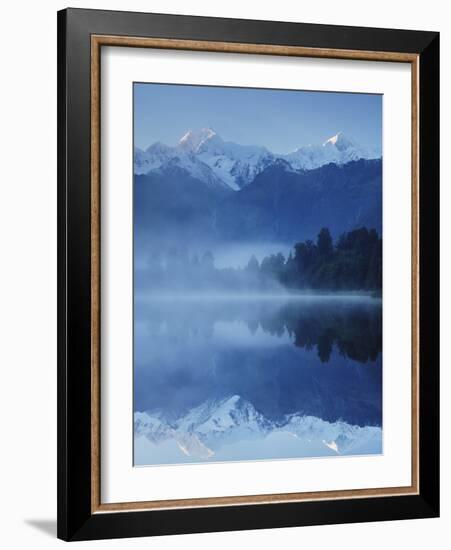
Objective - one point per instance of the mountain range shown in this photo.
(207, 190)
(206, 156)
(205, 430)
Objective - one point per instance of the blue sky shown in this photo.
(281, 120)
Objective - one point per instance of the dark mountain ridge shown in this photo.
(283, 205)
(279, 205)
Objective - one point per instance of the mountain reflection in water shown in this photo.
(258, 378)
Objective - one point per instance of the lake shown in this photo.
(221, 378)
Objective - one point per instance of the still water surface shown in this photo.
(268, 377)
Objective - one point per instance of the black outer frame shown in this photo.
(75, 520)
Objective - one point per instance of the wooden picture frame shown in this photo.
(81, 35)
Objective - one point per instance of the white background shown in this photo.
(120, 481)
(28, 273)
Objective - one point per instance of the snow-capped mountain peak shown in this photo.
(340, 142)
(338, 149)
(193, 139)
(204, 154)
(333, 140)
(204, 430)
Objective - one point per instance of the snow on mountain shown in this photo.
(235, 164)
(214, 420)
(341, 437)
(207, 428)
(159, 157)
(152, 427)
(192, 140)
(206, 156)
(153, 157)
(338, 149)
(195, 168)
(191, 445)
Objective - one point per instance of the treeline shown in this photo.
(354, 262)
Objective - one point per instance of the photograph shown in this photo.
(257, 274)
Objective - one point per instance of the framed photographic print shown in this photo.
(248, 274)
